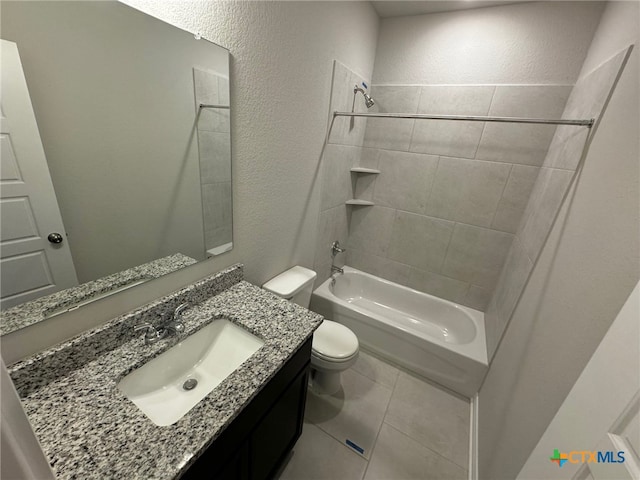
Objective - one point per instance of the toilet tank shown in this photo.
(296, 285)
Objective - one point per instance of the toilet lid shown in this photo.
(334, 340)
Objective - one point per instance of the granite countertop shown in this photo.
(37, 310)
(89, 429)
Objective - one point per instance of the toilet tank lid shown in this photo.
(288, 283)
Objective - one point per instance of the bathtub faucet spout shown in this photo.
(335, 250)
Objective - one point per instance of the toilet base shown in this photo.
(325, 382)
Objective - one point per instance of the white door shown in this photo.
(35, 259)
(595, 434)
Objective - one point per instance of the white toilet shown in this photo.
(335, 347)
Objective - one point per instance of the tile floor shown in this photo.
(405, 428)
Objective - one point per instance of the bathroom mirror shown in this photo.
(134, 119)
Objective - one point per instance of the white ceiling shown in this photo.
(402, 8)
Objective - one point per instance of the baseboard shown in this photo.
(473, 438)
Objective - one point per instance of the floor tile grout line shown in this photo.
(395, 381)
(440, 388)
(375, 442)
(424, 446)
(386, 387)
(346, 447)
(384, 421)
(343, 444)
(402, 370)
(389, 387)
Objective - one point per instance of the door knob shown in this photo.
(55, 237)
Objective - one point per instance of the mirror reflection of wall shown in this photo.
(114, 96)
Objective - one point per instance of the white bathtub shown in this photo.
(435, 338)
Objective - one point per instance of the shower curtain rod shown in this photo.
(544, 121)
(205, 105)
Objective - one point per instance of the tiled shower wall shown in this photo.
(587, 100)
(214, 147)
(450, 195)
(342, 151)
(453, 201)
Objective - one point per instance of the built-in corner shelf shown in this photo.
(355, 201)
(364, 170)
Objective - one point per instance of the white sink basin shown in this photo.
(208, 357)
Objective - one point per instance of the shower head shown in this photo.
(368, 101)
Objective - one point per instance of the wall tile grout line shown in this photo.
(430, 188)
(468, 292)
(483, 160)
(421, 269)
(413, 126)
(504, 187)
(446, 252)
(484, 125)
(375, 181)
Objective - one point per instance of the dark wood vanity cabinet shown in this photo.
(259, 439)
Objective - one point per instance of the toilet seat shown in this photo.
(319, 356)
(333, 342)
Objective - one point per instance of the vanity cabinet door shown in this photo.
(258, 440)
(236, 469)
(221, 464)
(279, 430)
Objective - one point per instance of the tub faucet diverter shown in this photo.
(335, 250)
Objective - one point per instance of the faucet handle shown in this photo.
(175, 325)
(144, 326)
(336, 248)
(152, 334)
(177, 313)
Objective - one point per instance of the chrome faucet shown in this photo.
(173, 326)
(335, 269)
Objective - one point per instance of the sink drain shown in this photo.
(190, 384)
